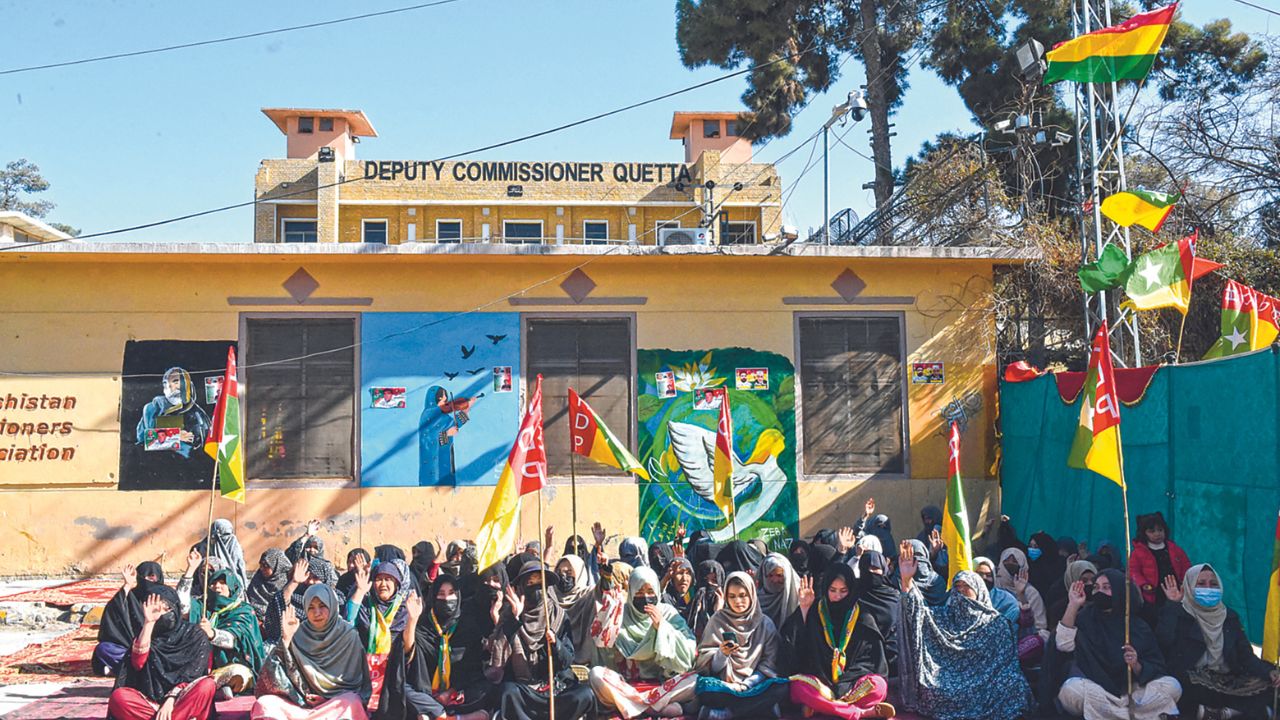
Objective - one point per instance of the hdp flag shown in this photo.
(1140, 207)
(1271, 628)
(223, 441)
(955, 518)
(1120, 52)
(525, 472)
(1250, 321)
(1097, 442)
(1162, 277)
(722, 471)
(591, 438)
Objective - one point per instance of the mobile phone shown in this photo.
(731, 637)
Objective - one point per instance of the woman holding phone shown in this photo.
(737, 658)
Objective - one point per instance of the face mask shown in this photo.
(640, 603)
(1088, 592)
(1102, 601)
(1012, 569)
(447, 607)
(990, 583)
(566, 581)
(1208, 597)
(1034, 553)
(533, 595)
(606, 584)
(166, 623)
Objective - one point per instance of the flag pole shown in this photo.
(546, 622)
(208, 540)
(1128, 543)
(1177, 355)
(573, 491)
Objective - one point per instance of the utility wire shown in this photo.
(230, 38)
(1258, 7)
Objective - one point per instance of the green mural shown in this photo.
(679, 400)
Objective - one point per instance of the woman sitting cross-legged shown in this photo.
(122, 617)
(376, 609)
(318, 671)
(1102, 663)
(436, 667)
(232, 629)
(164, 674)
(1207, 650)
(839, 650)
(534, 647)
(958, 660)
(738, 658)
(648, 670)
(575, 593)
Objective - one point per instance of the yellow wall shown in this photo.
(70, 316)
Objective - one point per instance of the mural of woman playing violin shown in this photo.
(438, 426)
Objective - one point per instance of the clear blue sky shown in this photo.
(135, 140)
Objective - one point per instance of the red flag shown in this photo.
(528, 459)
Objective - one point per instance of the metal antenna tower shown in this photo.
(1101, 172)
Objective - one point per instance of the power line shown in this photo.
(230, 38)
(1258, 7)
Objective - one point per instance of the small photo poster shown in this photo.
(927, 373)
(751, 379)
(212, 389)
(666, 384)
(502, 379)
(387, 398)
(708, 398)
(161, 438)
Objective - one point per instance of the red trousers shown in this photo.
(195, 703)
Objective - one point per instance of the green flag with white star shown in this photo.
(1162, 277)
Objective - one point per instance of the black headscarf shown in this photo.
(864, 653)
(424, 557)
(519, 560)
(179, 653)
(347, 582)
(882, 528)
(930, 517)
(1100, 637)
(1005, 538)
(825, 536)
(262, 588)
(387, 553)
(482, 596)
(466, 654)
(738, 556)
(122, 617)
(877, 596)
(798, 554)
(821, 559)
(1049, 567)
(576, 546)
(660, 557)
(708, 577)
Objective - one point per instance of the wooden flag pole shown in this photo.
(208, 540)
(1128, 596)
(546, 622)
(573, 493)
(1177, 355)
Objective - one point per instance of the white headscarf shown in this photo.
(757, 637)
(779, 604)
(1210, 619)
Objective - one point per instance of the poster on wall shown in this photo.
(675, 437)
(166, 412)
(453, 378)
(927, 373)
(751, 379)
(387, 398)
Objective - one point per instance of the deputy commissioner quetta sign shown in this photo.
(588, 172)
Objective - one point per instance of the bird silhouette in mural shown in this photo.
(693, 450)
(468, 351)
(496, 338)
(477, 371)
(451, 375)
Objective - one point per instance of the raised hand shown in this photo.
(1076, 597)
(362, 562)
(597, 532)
(289, 624)
(806, 595)
(130, 574)
(313, 527)
(906, 563)
(515, 601)
(935, 542)
(845, 539)
(364, 582)
(301, 571)
(413, 606)
(1020, 582)
(194, 558)
(655, 615)
(207, 627)
(870, 508)
(495, 609)
(549, 537)
(1171, 589)
(718, 599)
(153, 609)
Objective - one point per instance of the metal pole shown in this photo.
(208, 540)
(826, 189)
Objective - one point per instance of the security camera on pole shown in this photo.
(855, 106)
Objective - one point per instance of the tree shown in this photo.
(22, 177)
(794, 47)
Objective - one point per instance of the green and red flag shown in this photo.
(955, 518)
(1120, 52)
(1271, 627)
(223, 442)
(591, 438)
(1250, 321)
(1147, 208)
(722, 467)
(1097, 443)
(1162, 277)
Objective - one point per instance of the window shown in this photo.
(298, 231)
(300, 390)
(326, 124)
(374, 231)
(595, 232)
(737, 233)
(851, 378)
(522, 231)
(591, 355)
(306, 125)
(449, 231)
(710, 128)
(731, 128)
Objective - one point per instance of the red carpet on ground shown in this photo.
(62, 659)
(94, 591)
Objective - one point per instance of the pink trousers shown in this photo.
(194, 702)
(346, 706)
(869, 691)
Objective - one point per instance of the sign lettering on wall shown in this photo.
(521, 172)
(58, 431)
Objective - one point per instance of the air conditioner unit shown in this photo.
(682, 236)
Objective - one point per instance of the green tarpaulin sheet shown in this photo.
(1200, 446)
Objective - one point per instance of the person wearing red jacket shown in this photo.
(1155, 557)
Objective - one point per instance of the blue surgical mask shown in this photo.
(1034, 553)
(1208, 597)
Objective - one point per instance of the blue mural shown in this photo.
(439, 397)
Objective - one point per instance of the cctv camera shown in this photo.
(737, 187)
(710, 185)
(857, 106)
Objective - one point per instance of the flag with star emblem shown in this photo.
(1097, 443)
(1162, 277)
(1250, 321)
(955, 518)
(223, 442)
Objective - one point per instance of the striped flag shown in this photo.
(525, 472)
(223, 441)
(590, 438)
(1097, 443)
(1250, 321)
(1163, 277)
(1271, 628)
(1140, 207)
(722, 471)
(1121, 52)
(955, 518)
